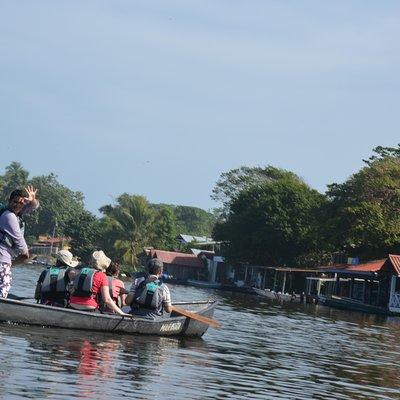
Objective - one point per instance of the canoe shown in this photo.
(23, 312)
(203, 284)
(272, 295)
(346, 303)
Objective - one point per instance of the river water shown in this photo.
(263, 351)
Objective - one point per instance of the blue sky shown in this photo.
(159, 98)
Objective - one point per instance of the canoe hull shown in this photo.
(354, 305)
(36, 314)
(203, 284)
(282, 297)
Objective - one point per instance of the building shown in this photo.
(48, 246)
(372, 286)
(181, 266)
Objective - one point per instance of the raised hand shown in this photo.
(31, 191)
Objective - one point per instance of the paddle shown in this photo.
(197, 317)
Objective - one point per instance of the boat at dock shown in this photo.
(278, 296)
(24, 312)
(204, 284)
(345, 303)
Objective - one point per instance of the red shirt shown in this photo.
(117, 285)
(99, 280)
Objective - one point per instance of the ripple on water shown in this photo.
(264, 351)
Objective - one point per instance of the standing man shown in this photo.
(12, 242)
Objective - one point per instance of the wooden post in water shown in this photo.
(365, 291)
(284, 282)
(351, 288)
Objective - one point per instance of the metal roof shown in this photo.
(172, 257)
(196, 239)
(395, 260)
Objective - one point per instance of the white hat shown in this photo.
(66, 258)
(100, 261)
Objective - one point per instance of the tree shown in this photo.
(84, 231)
(365, 210)
(194, 221)
(165, 229)
(129, 225)
(232, 183)
(271, 223)
(15, 177)
(189, 220)
(58, 206)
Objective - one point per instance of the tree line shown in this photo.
(267, 216)
(122, 230)
(270, 216)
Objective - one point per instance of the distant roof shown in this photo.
(172, 257)
(195, 239)
(196, 252)
(395, 260)
(369, 267)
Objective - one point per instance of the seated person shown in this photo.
(148, 296)
(53, 283)
(116, 286)
(91, 288)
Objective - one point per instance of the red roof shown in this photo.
(395, 260)
(373, 266)
(172, 257)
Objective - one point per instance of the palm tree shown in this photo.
(129, 223)
(15, 177)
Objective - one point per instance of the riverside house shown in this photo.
(372, 287)
(181, 266)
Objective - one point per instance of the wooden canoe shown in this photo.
(203, 284)
(23, 312)
(281, 297)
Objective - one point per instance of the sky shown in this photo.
(158, 98)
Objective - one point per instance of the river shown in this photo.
(263, 351)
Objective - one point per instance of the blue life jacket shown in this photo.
(83, 282)
(148, 296)
(54, 285)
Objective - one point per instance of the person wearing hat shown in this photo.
(149, 296)
(91, 291)
(52, 287)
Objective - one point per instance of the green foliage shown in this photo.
(272, 222)
(16, 177)
(365, 210)
(128, 225)
(59, 206)
(84, 231)
(164, 229)
(190, 220)
(231, 184)
(194, 221)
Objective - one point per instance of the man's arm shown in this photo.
(167, 300)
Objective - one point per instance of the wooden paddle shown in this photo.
(197, 317)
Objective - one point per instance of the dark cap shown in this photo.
(155, 266)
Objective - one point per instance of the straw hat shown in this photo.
(100, 261)
(66, 258)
